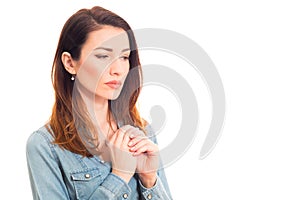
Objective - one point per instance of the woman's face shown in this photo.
(104, 62)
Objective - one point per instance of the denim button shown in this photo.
(149, 196)
(87, 176)
(125, 196)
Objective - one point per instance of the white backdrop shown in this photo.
(255, 47)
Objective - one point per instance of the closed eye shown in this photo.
(101, 56)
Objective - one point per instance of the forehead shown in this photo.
(109, 37)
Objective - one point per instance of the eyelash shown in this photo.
(125, 57)
(106, 56)
(101, 56)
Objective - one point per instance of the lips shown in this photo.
(114, 84)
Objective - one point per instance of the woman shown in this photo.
(96, 145)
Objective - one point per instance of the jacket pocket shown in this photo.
(86, 182)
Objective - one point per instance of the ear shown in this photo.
(68, 62)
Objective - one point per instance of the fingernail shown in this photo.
(130, 143)
(132, 148)
(131, 136)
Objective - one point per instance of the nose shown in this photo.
(117, 68)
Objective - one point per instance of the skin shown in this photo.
(104, 57)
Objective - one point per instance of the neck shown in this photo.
(97, 106)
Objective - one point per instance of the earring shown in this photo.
(72, 78)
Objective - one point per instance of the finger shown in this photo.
(146, 147)
(125, 141)
(134, 132)
(140, 144)
(137, 139)
(143, 149)
(135, 135)
(131, 130)
(119, 138)
(111, 139)
(126, 128)
(123, 130)
(123, 138)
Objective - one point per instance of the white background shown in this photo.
(255, 46)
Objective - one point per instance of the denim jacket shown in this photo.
(59, 174)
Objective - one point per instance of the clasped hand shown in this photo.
(131, 151)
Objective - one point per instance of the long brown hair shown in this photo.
(64, 125)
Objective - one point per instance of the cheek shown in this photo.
(126, 71)
(90, 74)
(91, 70)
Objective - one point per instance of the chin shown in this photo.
(112, 96)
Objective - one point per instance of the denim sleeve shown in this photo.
(161, 188)
(44, 173)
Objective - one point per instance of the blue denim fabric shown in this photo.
(58, 174)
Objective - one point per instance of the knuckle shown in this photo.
(126, 127)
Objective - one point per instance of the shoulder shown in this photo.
(39, 141)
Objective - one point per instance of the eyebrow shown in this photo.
(109, 49)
